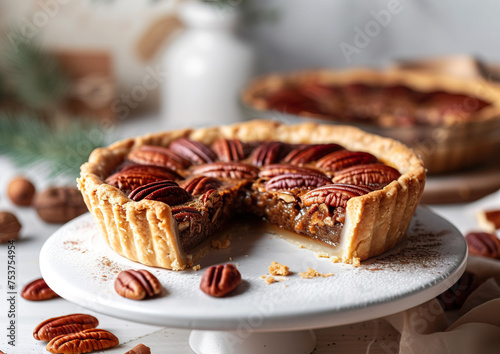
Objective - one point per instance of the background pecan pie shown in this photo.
(452, 123)
(158, 199)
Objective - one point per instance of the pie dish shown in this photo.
(158, 199)
(452, 123)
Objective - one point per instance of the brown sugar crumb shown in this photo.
(221, 245)
(278, 269)
(197, 267)
(309, 274)
(269, 280)
(356, 262)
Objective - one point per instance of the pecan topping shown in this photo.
(229, 150)
(200, 184)
(455, 296)
(193, 151)
(483, 244)
(296, 180)
(227, 170)
(57, 326)
(274, 170)
(158, 156)
(341, 159)
(167, 192)
(134, 176)
(183, 213)
(210, 198)
(367, 174)
(308, 153)
(137, 284)
(139, 349)
(86, 341)
(269, 152)
(38, 290)
(334, 195)
(220, 280)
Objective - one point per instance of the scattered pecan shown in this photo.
(158, 156)
(229, 150)
(341, 159)
(137, 284)
(21, 191)
(483, 244)
(367, 174)
(334, 195)
(57, 326)
(455, 296)
(490, 220)
(227, 170)
(307, 153)
(200, 184)
(296, 180)
(167, 192)
(274, 170)
(134, 176)
(269, 152)
(220, 280)
(193, 151)
(38, 290)
(86, 341)
(139, 349)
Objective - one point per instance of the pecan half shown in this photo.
(167, 192)
(57, 326)
(367, 174)
(483, 244)
(183, 213)
(193, 151)
(38, 290)
(134, 176)
(86, 341)
(210, 198)
(229, 150)
(139, 349)
(308, 153)
(341, 159)
(269, 152)
(455, 296)
(334, 195)
(158, 156)
(220, 280)
(274, 170)
(200, 184)
(295, 180)
(137, 284)
(227, 170)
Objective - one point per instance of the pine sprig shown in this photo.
(29, 141)
(35, 75)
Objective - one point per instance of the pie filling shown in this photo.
(302, 188)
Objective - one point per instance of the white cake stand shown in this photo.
(277, 318)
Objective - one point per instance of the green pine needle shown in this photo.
(29, 141)
(35, 75)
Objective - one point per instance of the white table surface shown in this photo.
(374, 336)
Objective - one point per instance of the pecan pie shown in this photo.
(158, 199)
(452, 123)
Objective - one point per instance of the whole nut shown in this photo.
(220, 280)
(9, 227)
(137, 284)
(21, 191)
(139, 349)
(38, 290)
(59, 204)
(86, 341)
(54, 327)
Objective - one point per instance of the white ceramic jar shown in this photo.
(207, 66)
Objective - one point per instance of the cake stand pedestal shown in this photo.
(277, 318)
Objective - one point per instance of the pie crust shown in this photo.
(146, 232)
(455, 142)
